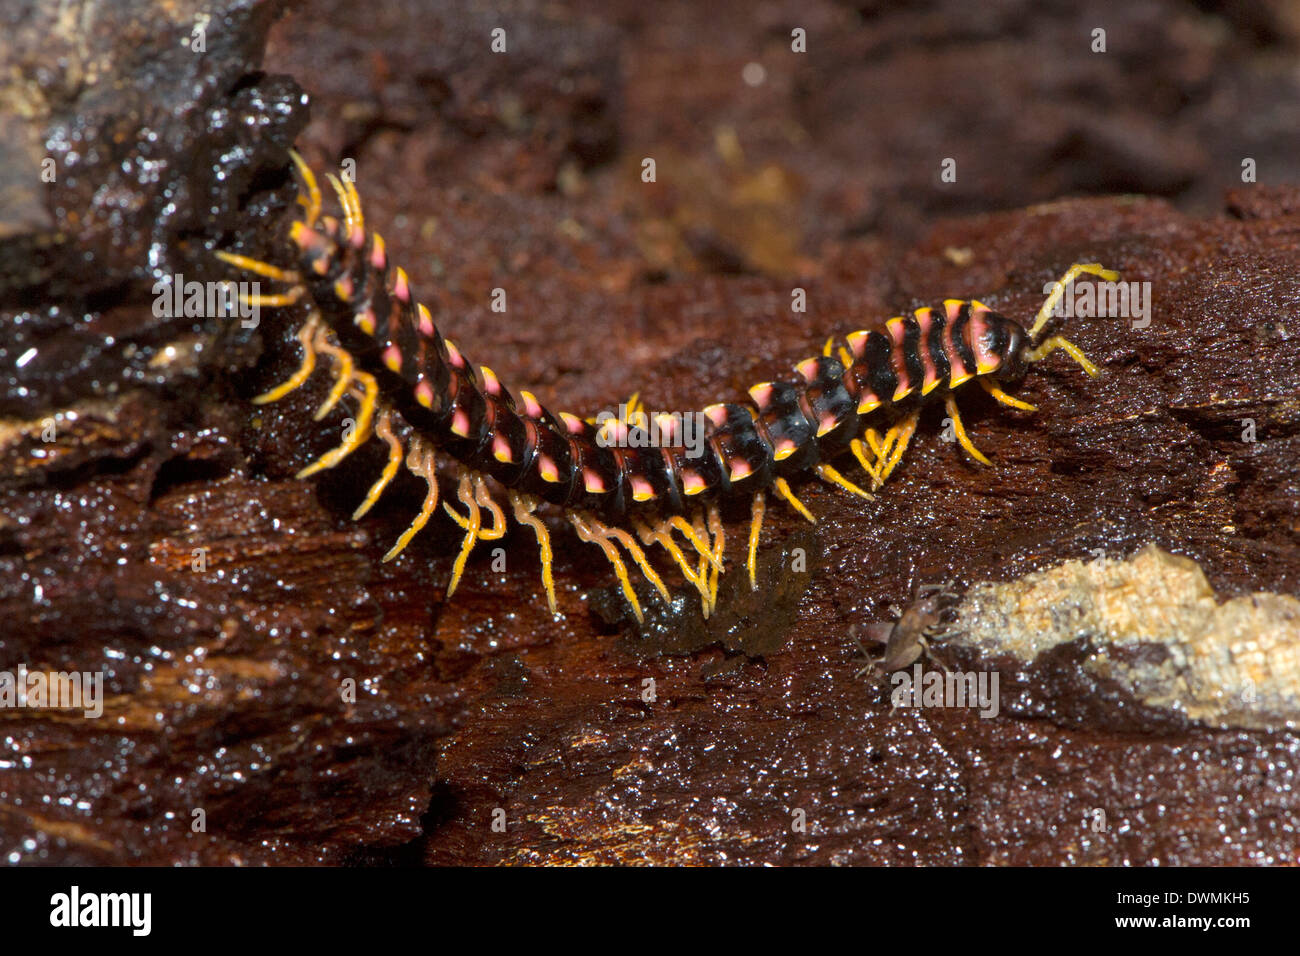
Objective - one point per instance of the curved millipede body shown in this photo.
(859, 399)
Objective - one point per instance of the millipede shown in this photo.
(858, 400)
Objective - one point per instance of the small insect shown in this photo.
(861, 398)
(923, 621)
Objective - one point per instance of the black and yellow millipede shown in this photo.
(858, 400)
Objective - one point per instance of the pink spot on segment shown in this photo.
(501, 450)
(532, 407)
(740, 469)
(641, 490)
(827, 424)
(808, 368)
(573, 423)
(761, 394)
(593, 482)
(426, 322)
(667, 427)
(454, 358)
(546, 468)
(460, 423)
(692, 483)
(980, 331)
(393, 358)
(925, 319)
(401, 287)
(366, 320)
(716, 414)
(424, 394)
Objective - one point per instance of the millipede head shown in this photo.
(1014, 361)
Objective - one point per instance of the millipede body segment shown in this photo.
(860, 398)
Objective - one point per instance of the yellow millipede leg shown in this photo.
(950, 402)
(1058, 290)
(258, 267)
(351, 212)
(483, 496)
(420, 461)
(586, 533)
(312, 201)
(474, 520)
(634, 549)
(523, 507)
(756, 509)
(880, 447)
(1055, 342)
(275, 300)
(719, 532)
(355, 197)
(663, 535)
(899, 437)
(831, 476)
(306, 336)
(384, 429)
(991, 387)
(693, 535)
(860, 453)
(343, 368)
(783, 489)
(706, 562)
(360, 432)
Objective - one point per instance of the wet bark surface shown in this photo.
(151, 527)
